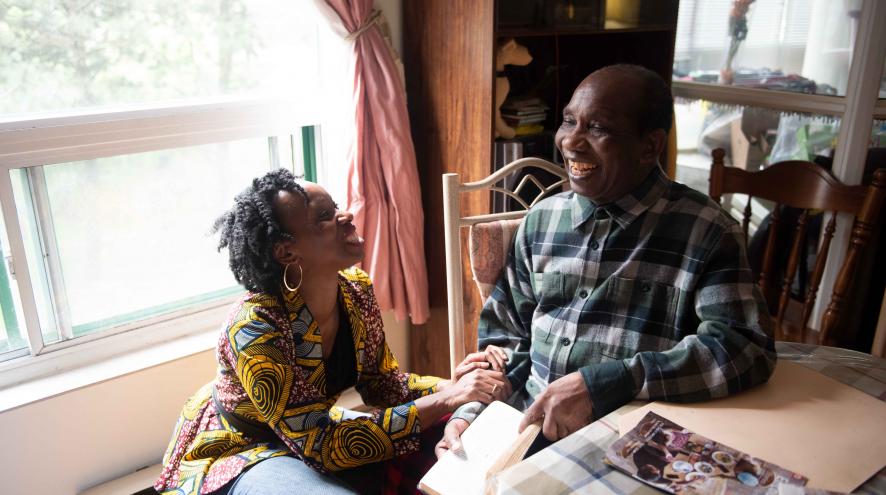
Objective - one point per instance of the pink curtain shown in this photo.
(383, 186)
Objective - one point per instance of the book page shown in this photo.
(485, 441)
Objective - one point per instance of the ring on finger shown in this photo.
(494, 387)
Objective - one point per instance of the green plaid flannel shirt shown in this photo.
(649, 297)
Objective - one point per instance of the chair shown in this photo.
(490, 235)
(806, 186)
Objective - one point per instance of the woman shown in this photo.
(308, 328)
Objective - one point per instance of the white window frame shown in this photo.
(75, 136)
(857, 111)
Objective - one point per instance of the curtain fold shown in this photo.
(383, 187)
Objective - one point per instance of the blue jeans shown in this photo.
(284, 475)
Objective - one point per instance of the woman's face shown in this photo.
(325, 237)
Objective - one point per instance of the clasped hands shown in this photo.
(479, 377)
(563, 408)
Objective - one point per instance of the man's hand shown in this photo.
(451, 437)
(564, 408)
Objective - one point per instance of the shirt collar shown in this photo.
(625, 209)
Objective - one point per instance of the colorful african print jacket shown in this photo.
(271, 372)
(649, 297)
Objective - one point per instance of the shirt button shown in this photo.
(565, 341)
(583, 294)
(594, 245)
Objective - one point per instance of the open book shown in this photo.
(491, 444)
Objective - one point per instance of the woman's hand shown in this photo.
(477, 385)
(492, 357)
(451, 437)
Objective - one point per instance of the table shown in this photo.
(575, 463)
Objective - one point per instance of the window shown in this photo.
(126, 128)
(785, 45)
(878, 134)
(127, 236)
(11, 336)
(753, 138)
(809, 64)
(76, 53)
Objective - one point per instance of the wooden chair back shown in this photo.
(500, 232)
(806, 186)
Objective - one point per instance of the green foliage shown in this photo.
(60, 54)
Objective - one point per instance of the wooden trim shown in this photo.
(865, 72)
(448, 50)
(763, 98)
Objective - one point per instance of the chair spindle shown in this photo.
(717, 171)
(820, 261)
(746, 221)
(791, 271)
(861, 234)
(769, 254)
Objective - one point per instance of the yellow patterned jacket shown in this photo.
(271, 372)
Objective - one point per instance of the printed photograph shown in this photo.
(669, 457)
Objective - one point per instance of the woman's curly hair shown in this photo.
(250, 230)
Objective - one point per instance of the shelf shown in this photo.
(525, 32)
(764, 98)
(546, 132)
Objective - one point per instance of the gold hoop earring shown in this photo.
(300, 276)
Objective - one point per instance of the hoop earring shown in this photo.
(300, 276)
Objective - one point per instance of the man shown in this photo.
(630, 286)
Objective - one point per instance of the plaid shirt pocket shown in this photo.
(640, 310)
(554, 289)
(556, 296)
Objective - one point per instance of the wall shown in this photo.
(73, 441)
(393, 10)
(65, 444)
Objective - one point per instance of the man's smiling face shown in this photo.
(606, 154)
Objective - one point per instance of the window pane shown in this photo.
(131, 233)
(63, 55)
(876, 151)
(878, 134)
(752, 137)
(35, 254)
(883, 82)
(12, 329)
(788, 45)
